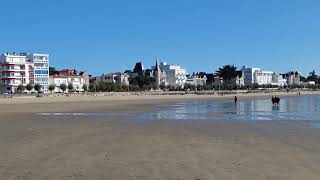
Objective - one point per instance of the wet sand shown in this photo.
(114, 147)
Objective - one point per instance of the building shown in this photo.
(278, 80)
(78, 81)
(256, 76)
(309, 83)
(172, 74)
(293, 78)
(263, 77)
(41, 69)
(139, 69)
(249, 75)
(22, 69)
(116, 78)
(197, 79)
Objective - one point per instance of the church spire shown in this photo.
(157, 66)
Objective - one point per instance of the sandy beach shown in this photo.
(37, 147)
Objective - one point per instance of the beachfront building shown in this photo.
(78, 81)
(256, 76)
(249, 74)
(22, 69)
(41, 69)
(197, 79)
(308, 83)
(175, 75)
(15, 70)
(139, 69)
(263, 77)
(115, 78)
(278, 80)
(293, 78)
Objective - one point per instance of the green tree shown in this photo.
(37, 88)
(70, 87)
(93, 87)
(63, 87)
(163, 86)
(20, 88)
(142, 81)
(53, 71)
(51, 87)
(29, 87)
(124, 88)
(85, 87)
(102, 86)
(312, 76)
(227, 73)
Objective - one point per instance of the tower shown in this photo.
(157, 75)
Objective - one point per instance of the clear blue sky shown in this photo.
(103, 36)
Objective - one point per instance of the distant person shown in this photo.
(273, 100)
(235, 99)
(277, 100)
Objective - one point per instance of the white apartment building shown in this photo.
(175, 74)
(197, 79)
(263, 77)
(293, 78)
(116, 78)
(15, 70)
(256, 75)
(278, 80)
(249, 74)
(41, 69)
(77, 81)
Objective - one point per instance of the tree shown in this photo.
(70, 87)
(53, 71)
(143, 81)
(312, 76)
(227, 72)
(63, 87)
(52, 87)
(37, 88)
(303, 79)
(92, 87)
(20, 88)
(102, 86)
(85, 87)
(29, 87)
(163, 86)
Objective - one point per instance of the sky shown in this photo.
(101, 36)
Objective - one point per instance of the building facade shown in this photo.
(78, 82)
(115, 78)
(263, 77)
(22, 69)
(293, 78)
(278, 80)
(175, 75)
(197, 79)
(41, 69)
(249, 74)
(256, 75)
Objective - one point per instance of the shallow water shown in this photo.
(299, 108)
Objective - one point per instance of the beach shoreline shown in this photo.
(144, 96)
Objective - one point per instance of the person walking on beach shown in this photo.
(277, 101)
(235, 99)
(273, 100)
